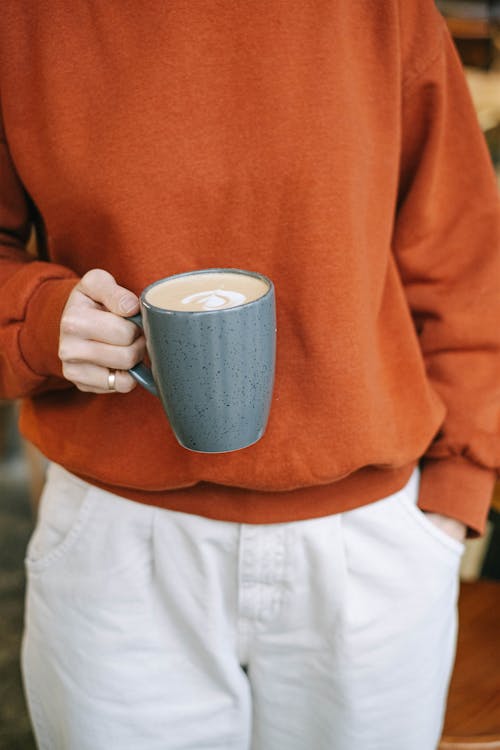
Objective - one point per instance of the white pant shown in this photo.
(139, 620)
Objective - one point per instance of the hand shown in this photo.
(95, 338)
(456, 529)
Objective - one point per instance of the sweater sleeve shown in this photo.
(32, 296)
(447, 246)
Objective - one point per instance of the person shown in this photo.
(299, 593)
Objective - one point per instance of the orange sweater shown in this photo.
(331, 146)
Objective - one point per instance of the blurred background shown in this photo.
(474, 706)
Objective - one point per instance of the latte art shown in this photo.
(207, 291)
(213, 299)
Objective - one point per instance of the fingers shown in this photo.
(90, 378)
(81, 351)
(95, 338)
(100, 286)
(98, 325)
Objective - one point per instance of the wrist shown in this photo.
(451, 526)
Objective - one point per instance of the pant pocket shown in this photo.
(65, 507)
(424, 526)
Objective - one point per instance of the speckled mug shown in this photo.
(213, 370)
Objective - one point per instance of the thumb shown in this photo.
(100, 286)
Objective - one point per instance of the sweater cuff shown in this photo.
(39, 337)
(458, 488)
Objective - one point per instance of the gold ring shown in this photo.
(112, 380)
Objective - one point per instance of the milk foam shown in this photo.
(212, 299)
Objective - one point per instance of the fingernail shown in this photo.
(127, 304)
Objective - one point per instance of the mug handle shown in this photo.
(140, 372)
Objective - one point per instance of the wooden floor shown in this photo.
(474, 698)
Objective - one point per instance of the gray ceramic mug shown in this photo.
(212, 366)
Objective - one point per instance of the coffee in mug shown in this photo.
(198, 292)
(211, 338)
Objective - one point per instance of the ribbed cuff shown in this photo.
(39, 337)
(458, 488)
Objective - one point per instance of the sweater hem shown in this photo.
(238, 505)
